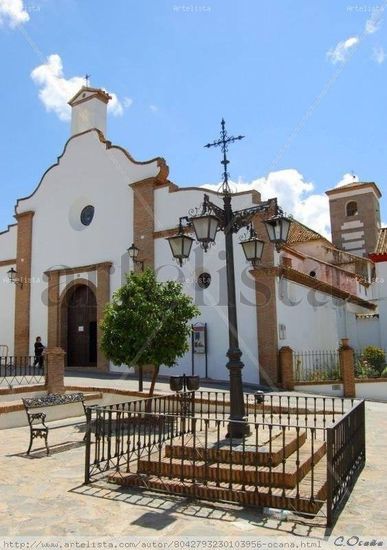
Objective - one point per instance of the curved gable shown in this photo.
(155, 167)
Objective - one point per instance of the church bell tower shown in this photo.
(89, 110)
(355, 217)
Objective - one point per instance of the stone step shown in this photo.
(302, 499)
(284, 475)
(227, 453)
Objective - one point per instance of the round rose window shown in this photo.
(87, 215)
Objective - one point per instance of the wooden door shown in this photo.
(82, 328)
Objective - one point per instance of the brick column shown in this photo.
(143, 219)
(53, 309)
(23, 292)
(55, 360)
(103, 297)
(265, 290)
(347, 368)
(286, 368)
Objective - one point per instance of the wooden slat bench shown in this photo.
(36, 421)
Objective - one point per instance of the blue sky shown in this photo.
(304, 81)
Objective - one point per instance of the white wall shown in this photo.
(334, 390)
(380, 294)
(310, 317)
(7, 309)
(87, 115)
(87, 173)
(366, 333)
(373, 391)
(8, 243)
(373, 330)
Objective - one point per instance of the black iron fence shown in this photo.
(346, 456)
(316, 366)
(288, 409)
(122, 431)
(178, 444)
(21, 371)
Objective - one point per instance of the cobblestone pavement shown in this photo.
(44, 496)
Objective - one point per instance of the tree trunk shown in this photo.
(155, 374)
(154, 378)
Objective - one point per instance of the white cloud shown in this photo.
(12, 13)
(153, 108)
(373, 23)
(55, 90)
(379, 55)
(127, 102)
(295, 196)
(115, 106)
(347, 178)
(340, 53)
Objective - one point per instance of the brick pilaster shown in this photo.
(143, 219)
(53, 309)
(347, 368)
(102, 297)
(23, 292)
(286, 368)
(265, 291)
(55, 360)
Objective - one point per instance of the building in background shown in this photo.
(69, 250)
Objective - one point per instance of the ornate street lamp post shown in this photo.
(206, 223)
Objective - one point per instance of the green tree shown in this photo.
(375, 357)
(147, 323)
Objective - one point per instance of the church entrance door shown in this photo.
(82, 327)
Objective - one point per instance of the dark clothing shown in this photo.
(39, 348)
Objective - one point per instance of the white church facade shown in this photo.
(69, 246)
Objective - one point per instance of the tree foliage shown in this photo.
(147, 322)
(372, 362)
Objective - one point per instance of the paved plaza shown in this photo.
(44, 496)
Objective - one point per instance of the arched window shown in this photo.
(352, 208)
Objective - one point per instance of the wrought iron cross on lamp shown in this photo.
(206, 222)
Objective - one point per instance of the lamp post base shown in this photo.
(238, 428)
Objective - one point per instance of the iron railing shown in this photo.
(177, 444)
(111, 428)
(316, 366)
(20, 371)
(346, 456)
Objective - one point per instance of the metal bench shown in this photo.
(36, 421)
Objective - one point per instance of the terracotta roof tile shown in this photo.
(300, 233)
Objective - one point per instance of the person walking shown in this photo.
(39, 348)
